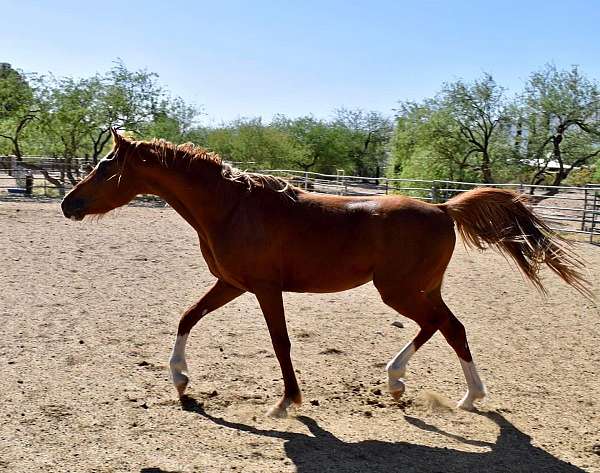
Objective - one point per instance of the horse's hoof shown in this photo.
(397, 388)
(466, 403)
(181, 389)
(180, 381)
(277, 412)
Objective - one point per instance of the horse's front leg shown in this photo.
(218, 295)
(271, 304)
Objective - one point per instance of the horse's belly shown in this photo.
(326, 278)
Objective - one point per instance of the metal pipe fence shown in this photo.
(566, 208)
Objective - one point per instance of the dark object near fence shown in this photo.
(29, 184)
(27, 189)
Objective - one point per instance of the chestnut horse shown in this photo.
(261, 235)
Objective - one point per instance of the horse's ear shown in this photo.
(117, 139)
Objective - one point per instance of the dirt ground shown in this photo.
(89, 314)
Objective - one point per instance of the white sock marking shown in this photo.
(396, 369)
(397, 365)
(476, 388)
(177, 362)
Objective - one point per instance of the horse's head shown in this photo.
(111, 184)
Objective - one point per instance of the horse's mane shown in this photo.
(185, 156)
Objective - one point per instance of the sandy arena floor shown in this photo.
(88, 317)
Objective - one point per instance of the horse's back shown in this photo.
(399, 216)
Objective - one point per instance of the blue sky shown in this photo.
(258, 58)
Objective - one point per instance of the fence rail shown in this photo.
(566, 208)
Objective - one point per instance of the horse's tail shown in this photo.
(498, 217)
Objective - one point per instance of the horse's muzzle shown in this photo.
(73, 208)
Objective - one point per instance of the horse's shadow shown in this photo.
(323, 452)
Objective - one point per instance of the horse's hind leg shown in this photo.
(456, 336)
(218, 295)
(415, 305)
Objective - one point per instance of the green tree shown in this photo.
(220, 140)
(561, 111)
(367, 135)
(427, 144)
(254, 145)
(326, 146)
(462, 132)
(132, 101)
(478, 112)
(172, 119)
(18, 108)
(67, 116)
(76, 114)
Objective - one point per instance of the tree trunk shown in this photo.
(17, 150)
(15, 143)
(486, 171)
(557, 155)
(306, 166)
(99, 144)
(518, 137)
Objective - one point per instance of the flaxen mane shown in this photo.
(185, 155)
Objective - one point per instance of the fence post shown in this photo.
(594, 210)
(387, 185)
(434, 192)
(585, 204)
(305, 180)
(339, 181)
(29, 184)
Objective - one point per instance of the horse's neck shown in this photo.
(203, 202)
